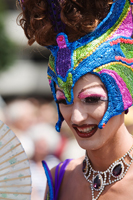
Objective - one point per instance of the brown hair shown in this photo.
(79, 16)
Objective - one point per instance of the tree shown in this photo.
(7, 47)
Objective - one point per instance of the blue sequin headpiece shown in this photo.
(106, 52)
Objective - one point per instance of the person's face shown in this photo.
(88, 108)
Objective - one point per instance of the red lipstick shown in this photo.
(85, 131)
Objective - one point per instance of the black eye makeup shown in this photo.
(93, 99)
(93, 95)
(61, 101)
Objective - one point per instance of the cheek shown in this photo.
(98, 112)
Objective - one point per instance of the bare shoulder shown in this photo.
(71, 167)
(74, 164)
(73, 170)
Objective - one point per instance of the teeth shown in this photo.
(86, 130)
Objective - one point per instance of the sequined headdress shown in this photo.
(106, 52)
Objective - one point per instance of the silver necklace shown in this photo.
(99, 179)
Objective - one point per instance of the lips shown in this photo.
(85, 131)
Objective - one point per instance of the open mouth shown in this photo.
(86, 131)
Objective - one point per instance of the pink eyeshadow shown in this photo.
(95, 92)
(83, 96)
(60, 95)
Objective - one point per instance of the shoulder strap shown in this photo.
(59, 176)
(49, 179)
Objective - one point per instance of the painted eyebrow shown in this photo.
(93, 86)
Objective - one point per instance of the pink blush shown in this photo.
(59, 95)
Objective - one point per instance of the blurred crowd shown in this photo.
(33, 123)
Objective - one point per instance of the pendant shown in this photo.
(97, 182)
(97, 185)
(117, 170)
(84, 168)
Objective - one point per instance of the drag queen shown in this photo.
(90, 72)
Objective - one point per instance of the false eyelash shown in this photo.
(93, 100)
(61, 101)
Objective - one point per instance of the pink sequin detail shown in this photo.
(50, 81)
(126, 96)
(61, 42)
(125, 28)
(121, 40)
(124, 59)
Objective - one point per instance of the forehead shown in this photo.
(89, 80)
(86, 81)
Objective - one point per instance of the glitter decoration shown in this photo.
(106, 52)
(66, 86)
(63, 56)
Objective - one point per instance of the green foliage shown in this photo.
(7, 47)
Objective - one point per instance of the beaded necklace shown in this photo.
(100, 179)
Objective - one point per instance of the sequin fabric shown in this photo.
(106, 52)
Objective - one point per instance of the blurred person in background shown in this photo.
(47, 113)
(46, 141)
(20, 115)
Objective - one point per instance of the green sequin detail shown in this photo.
(127, 50)
(83, 52)
(66, 86)
(52, 62)
(124, 72)
(49, 77)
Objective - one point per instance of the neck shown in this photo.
(103, 157)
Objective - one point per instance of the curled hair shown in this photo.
(79, 16)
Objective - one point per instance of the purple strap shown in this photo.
(59, 177)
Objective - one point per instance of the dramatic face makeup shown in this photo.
(93, 94)
(87, 110)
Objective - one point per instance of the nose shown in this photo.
(78, 115)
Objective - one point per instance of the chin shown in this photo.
(89, 144)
